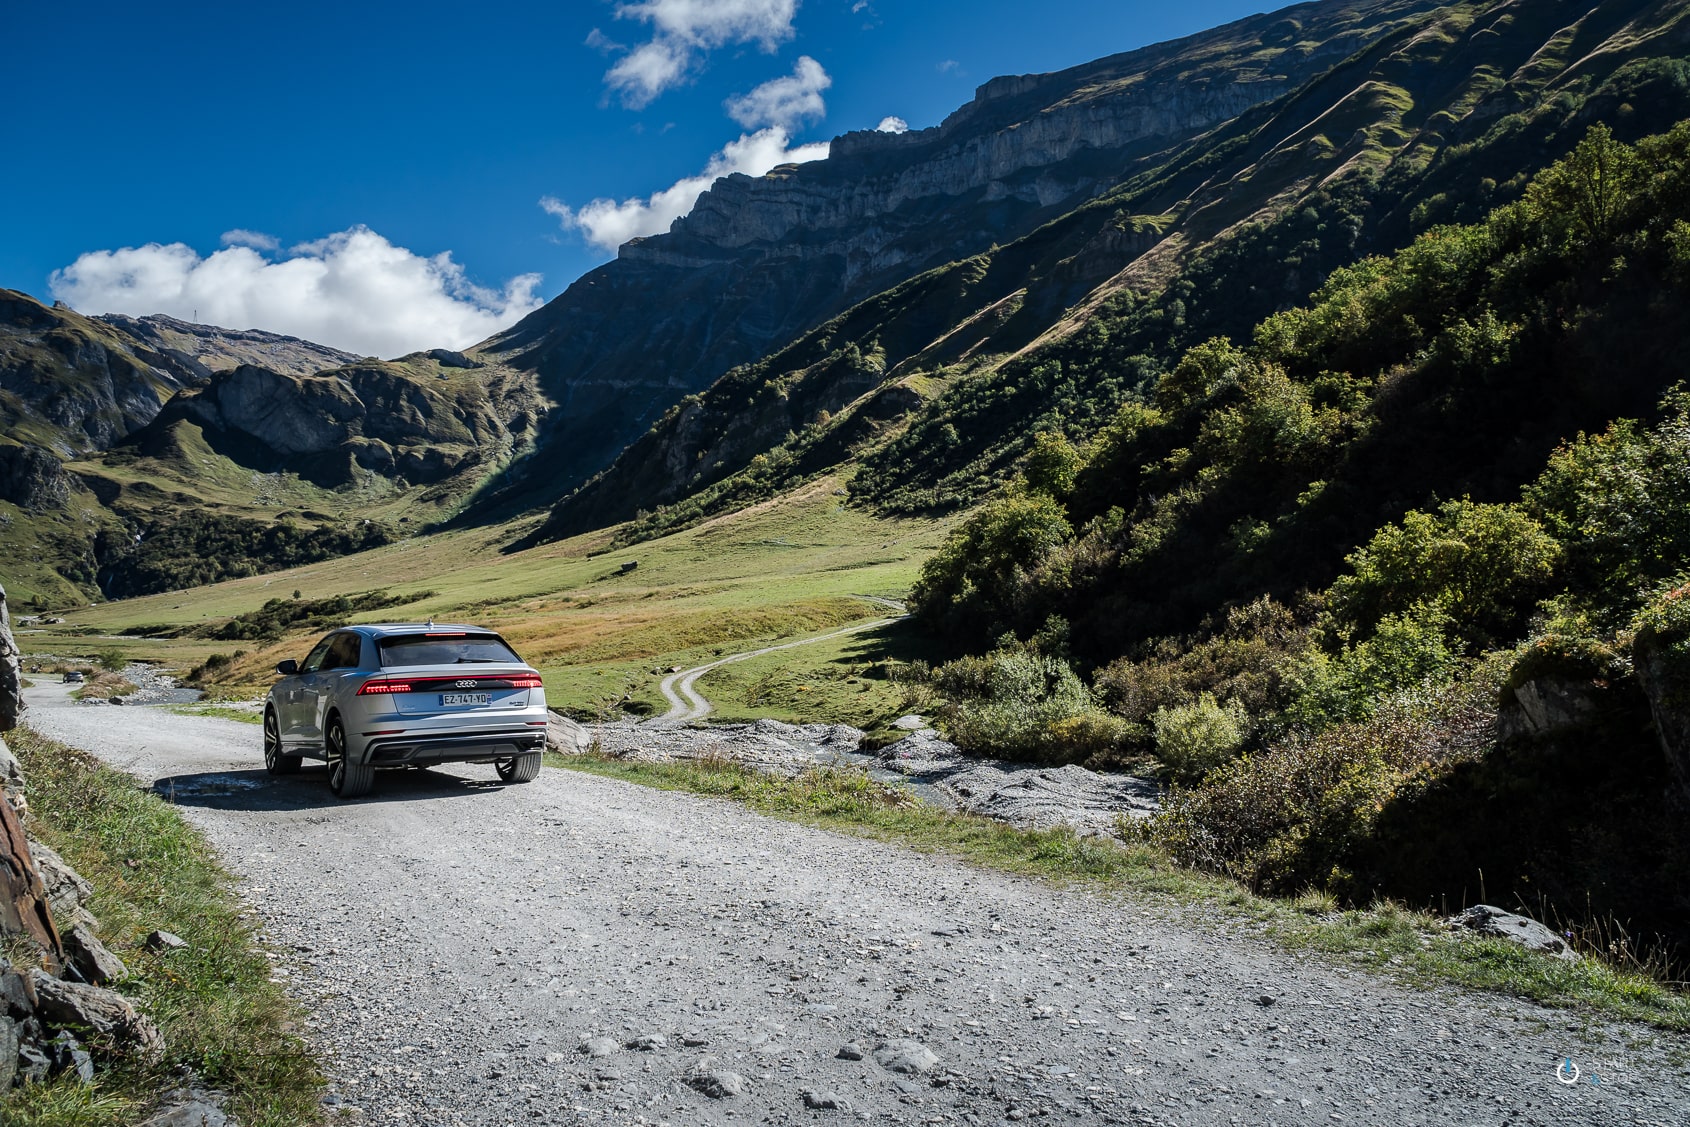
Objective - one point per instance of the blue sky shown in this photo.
(355, 144)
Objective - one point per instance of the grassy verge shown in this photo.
(220, 1014)
(104, 686)
(1403, 944)
(221, 711)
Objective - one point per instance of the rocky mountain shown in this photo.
(136, 448)
(217, 349)
(760, 260)
(933, 387)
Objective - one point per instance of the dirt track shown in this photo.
(458, 943)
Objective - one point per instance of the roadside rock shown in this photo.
(190, 1108)
(910, 723)
(11, 671)
(90, 957)
(1037, 797)
(599, 1046)
(911, 1058)
(68, 1056)
(164, 941)
(104, 1011)
(8, 1052)
(1527, 932)
(850, 1050)
(824, 1101)
(66, 890)
(565, 736)
(1661, 673)
(708, 1079)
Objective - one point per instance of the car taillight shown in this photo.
(374, 688)
(527, 681)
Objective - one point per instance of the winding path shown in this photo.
(687, 704)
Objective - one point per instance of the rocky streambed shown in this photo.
(934, 769)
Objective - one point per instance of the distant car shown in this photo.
(72, 678)
(406, 695)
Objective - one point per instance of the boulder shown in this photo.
(24, 905)
(106, 1012)
(1527, 932)
(8, 1052)
(565, 736)
(708, 1078)
(68, 1056)
(11, 772)
(1546, 704)
(17, 996)
(66, 890)
(164, 941)
(92, 960)
(11, 671)
(911, 1058)
(188, 1109)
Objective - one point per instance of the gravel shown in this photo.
(457, 943)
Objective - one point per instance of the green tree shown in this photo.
(1052, 464)
(1587, 193)
(968, 589)
(1485, 565)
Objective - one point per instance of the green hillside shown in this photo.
(934, 388)
(1394, 587)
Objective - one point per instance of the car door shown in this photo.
(291, 707)
(316, 685)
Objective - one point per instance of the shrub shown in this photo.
(1194, 739)
(1620, 502)
(1486, 564)
(1021, 705)
(1251, 661)
(1296, 814)
(1407, 650)
(968, 589)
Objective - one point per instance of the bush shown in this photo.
(1252, 661)
(1019, 705)
(1407, 650)
(1194, 739)
(1487, 565)
(1297, 814)
(968, 589)
(1620, 502)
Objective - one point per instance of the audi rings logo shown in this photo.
(466, 684)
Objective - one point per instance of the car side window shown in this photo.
(314, 660)
(344, 653)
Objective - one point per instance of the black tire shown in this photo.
(274, 761)
(525, 768)
(347, 780)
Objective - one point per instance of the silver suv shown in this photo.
(406, 695)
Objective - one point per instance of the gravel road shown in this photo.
(687, 705)
(459, 943)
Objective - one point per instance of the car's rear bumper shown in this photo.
(411, 748)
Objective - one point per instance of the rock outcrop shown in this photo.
(1664, 672)
(1483, 919)
(216, 349)
(419, 419)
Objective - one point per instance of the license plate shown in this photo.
(449, 700)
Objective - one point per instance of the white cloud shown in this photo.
(787, 102)
(607, 224)
(353, 290)
(949, 66)
(892, 124)
(683, 30)
(258, 240)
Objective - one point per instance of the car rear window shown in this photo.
(444, 649)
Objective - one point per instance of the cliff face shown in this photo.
(418, 419)
(761, 260)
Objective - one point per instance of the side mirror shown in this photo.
(288, 668)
